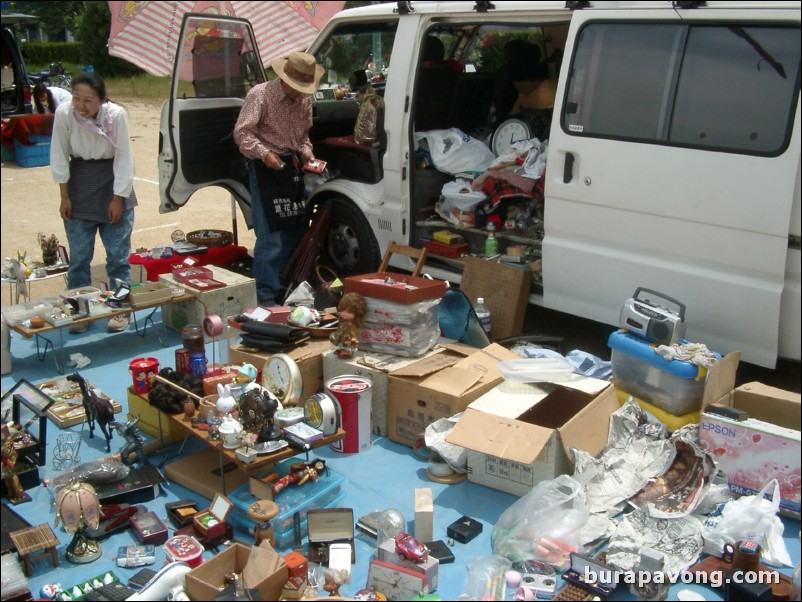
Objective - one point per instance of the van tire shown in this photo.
(350, 247)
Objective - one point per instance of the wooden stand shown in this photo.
(34, 542)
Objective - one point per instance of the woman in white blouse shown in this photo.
(46, 99)
(92, 162)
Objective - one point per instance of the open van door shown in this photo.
(217, 62)
(676, 159)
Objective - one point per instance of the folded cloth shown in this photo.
(20, 127)
(270, 344)
(278, 332)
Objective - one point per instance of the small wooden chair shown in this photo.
(412, 252)
(33, 542)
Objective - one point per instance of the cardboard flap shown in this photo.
(501, 437)
(453, 380)
(769, 404)
(262, 560)
(428, 365)
(721, 378)
(588, 430)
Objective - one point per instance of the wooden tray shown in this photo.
(69, 409)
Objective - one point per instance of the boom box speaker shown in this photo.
(644, 315)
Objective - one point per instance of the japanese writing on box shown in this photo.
(286, 207)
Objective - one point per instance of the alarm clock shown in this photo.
(282, 377)
(509, 132)
(323, 413)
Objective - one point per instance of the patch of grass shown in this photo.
(144, 86)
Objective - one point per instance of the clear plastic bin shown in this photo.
(674, 386)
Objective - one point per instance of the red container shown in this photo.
(353, 393)
(143, 369)
(184, 548)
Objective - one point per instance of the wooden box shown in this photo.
(327, 526)
(149, 293)
(69, 407)
(148, 528)
(218, 512)
(182, 512)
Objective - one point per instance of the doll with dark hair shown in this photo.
(351, 310)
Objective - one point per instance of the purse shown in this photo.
(325, 295)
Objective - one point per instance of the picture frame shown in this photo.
(63, 257)
(28, 394)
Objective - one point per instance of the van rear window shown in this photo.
(725, 88)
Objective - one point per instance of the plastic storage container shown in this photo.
(537, 370)
(184, 548)
(35, 155)
(674, 386)
(291, 499)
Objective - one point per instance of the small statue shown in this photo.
(334, 579)
(134, 442)
(300, 473)
(351, 310)
(16, 493)
(96, 408)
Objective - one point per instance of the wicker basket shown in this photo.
(210, 238)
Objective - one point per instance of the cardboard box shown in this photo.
(535, 94)
(149, 293)
(483, 278)
(430, 567)
(262, 568)
(308, 357)
(398, 288)
(150, 417)
(424, 515)
(238, 295)
(438, 386)
(222, 375)
(529, 444)
(377, 368)
(763, 447)
(200, 472)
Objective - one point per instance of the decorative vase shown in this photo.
(189, 408)
(49, 257)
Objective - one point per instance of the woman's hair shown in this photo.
(93, 80)
(38, 90)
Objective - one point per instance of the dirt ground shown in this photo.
(30, 202)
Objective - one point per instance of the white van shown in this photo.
(673, 147)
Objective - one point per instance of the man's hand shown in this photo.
(273, 161)
(65, 210)
(115, 211)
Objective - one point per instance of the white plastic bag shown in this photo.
(750, 517)
(454, 151)
(545, 524)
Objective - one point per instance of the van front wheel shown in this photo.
(351, 247)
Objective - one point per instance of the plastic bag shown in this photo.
(454, 151)
(750, 517)
(369, 121)
(545, 524)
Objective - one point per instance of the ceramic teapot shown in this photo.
(230, 430)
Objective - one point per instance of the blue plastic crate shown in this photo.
(35, 155)
(7, 155)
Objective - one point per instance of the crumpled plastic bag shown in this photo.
(303, 294)
(753, 518)
(454, 151)
(545, 524)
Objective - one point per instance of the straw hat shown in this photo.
(299, 71)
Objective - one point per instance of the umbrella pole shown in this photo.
(234, 220)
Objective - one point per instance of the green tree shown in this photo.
(54, 17)
(93, 33)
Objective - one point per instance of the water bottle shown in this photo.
(491, 243)
(483, 314)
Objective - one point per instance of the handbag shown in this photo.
(325, 295)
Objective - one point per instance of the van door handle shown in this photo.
(568, 168)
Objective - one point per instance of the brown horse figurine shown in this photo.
(96, 408)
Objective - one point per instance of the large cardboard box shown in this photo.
(152, 420)
(200, 472)
(262, 568)
(529, 442)
(439, 386)
(764, 446)
(238, 295)
(376, 367)
(308, 356)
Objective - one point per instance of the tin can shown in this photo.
(353, 393)
(197, 364)
(143, 369)
(182, 361)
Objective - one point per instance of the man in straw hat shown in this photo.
(273, 132)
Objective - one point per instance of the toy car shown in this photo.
(410, 548)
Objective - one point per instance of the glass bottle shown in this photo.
(491, 243)
(192, 338)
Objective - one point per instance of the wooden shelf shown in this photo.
(501, 234)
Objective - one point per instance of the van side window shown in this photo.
(721, 88)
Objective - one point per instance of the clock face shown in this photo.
(282, 377)
(313, 412)
(320, 411)
(395, 582)
(508, 133)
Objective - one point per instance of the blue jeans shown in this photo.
(116, 239)
(272, 250)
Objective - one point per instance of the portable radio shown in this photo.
(645, 316)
